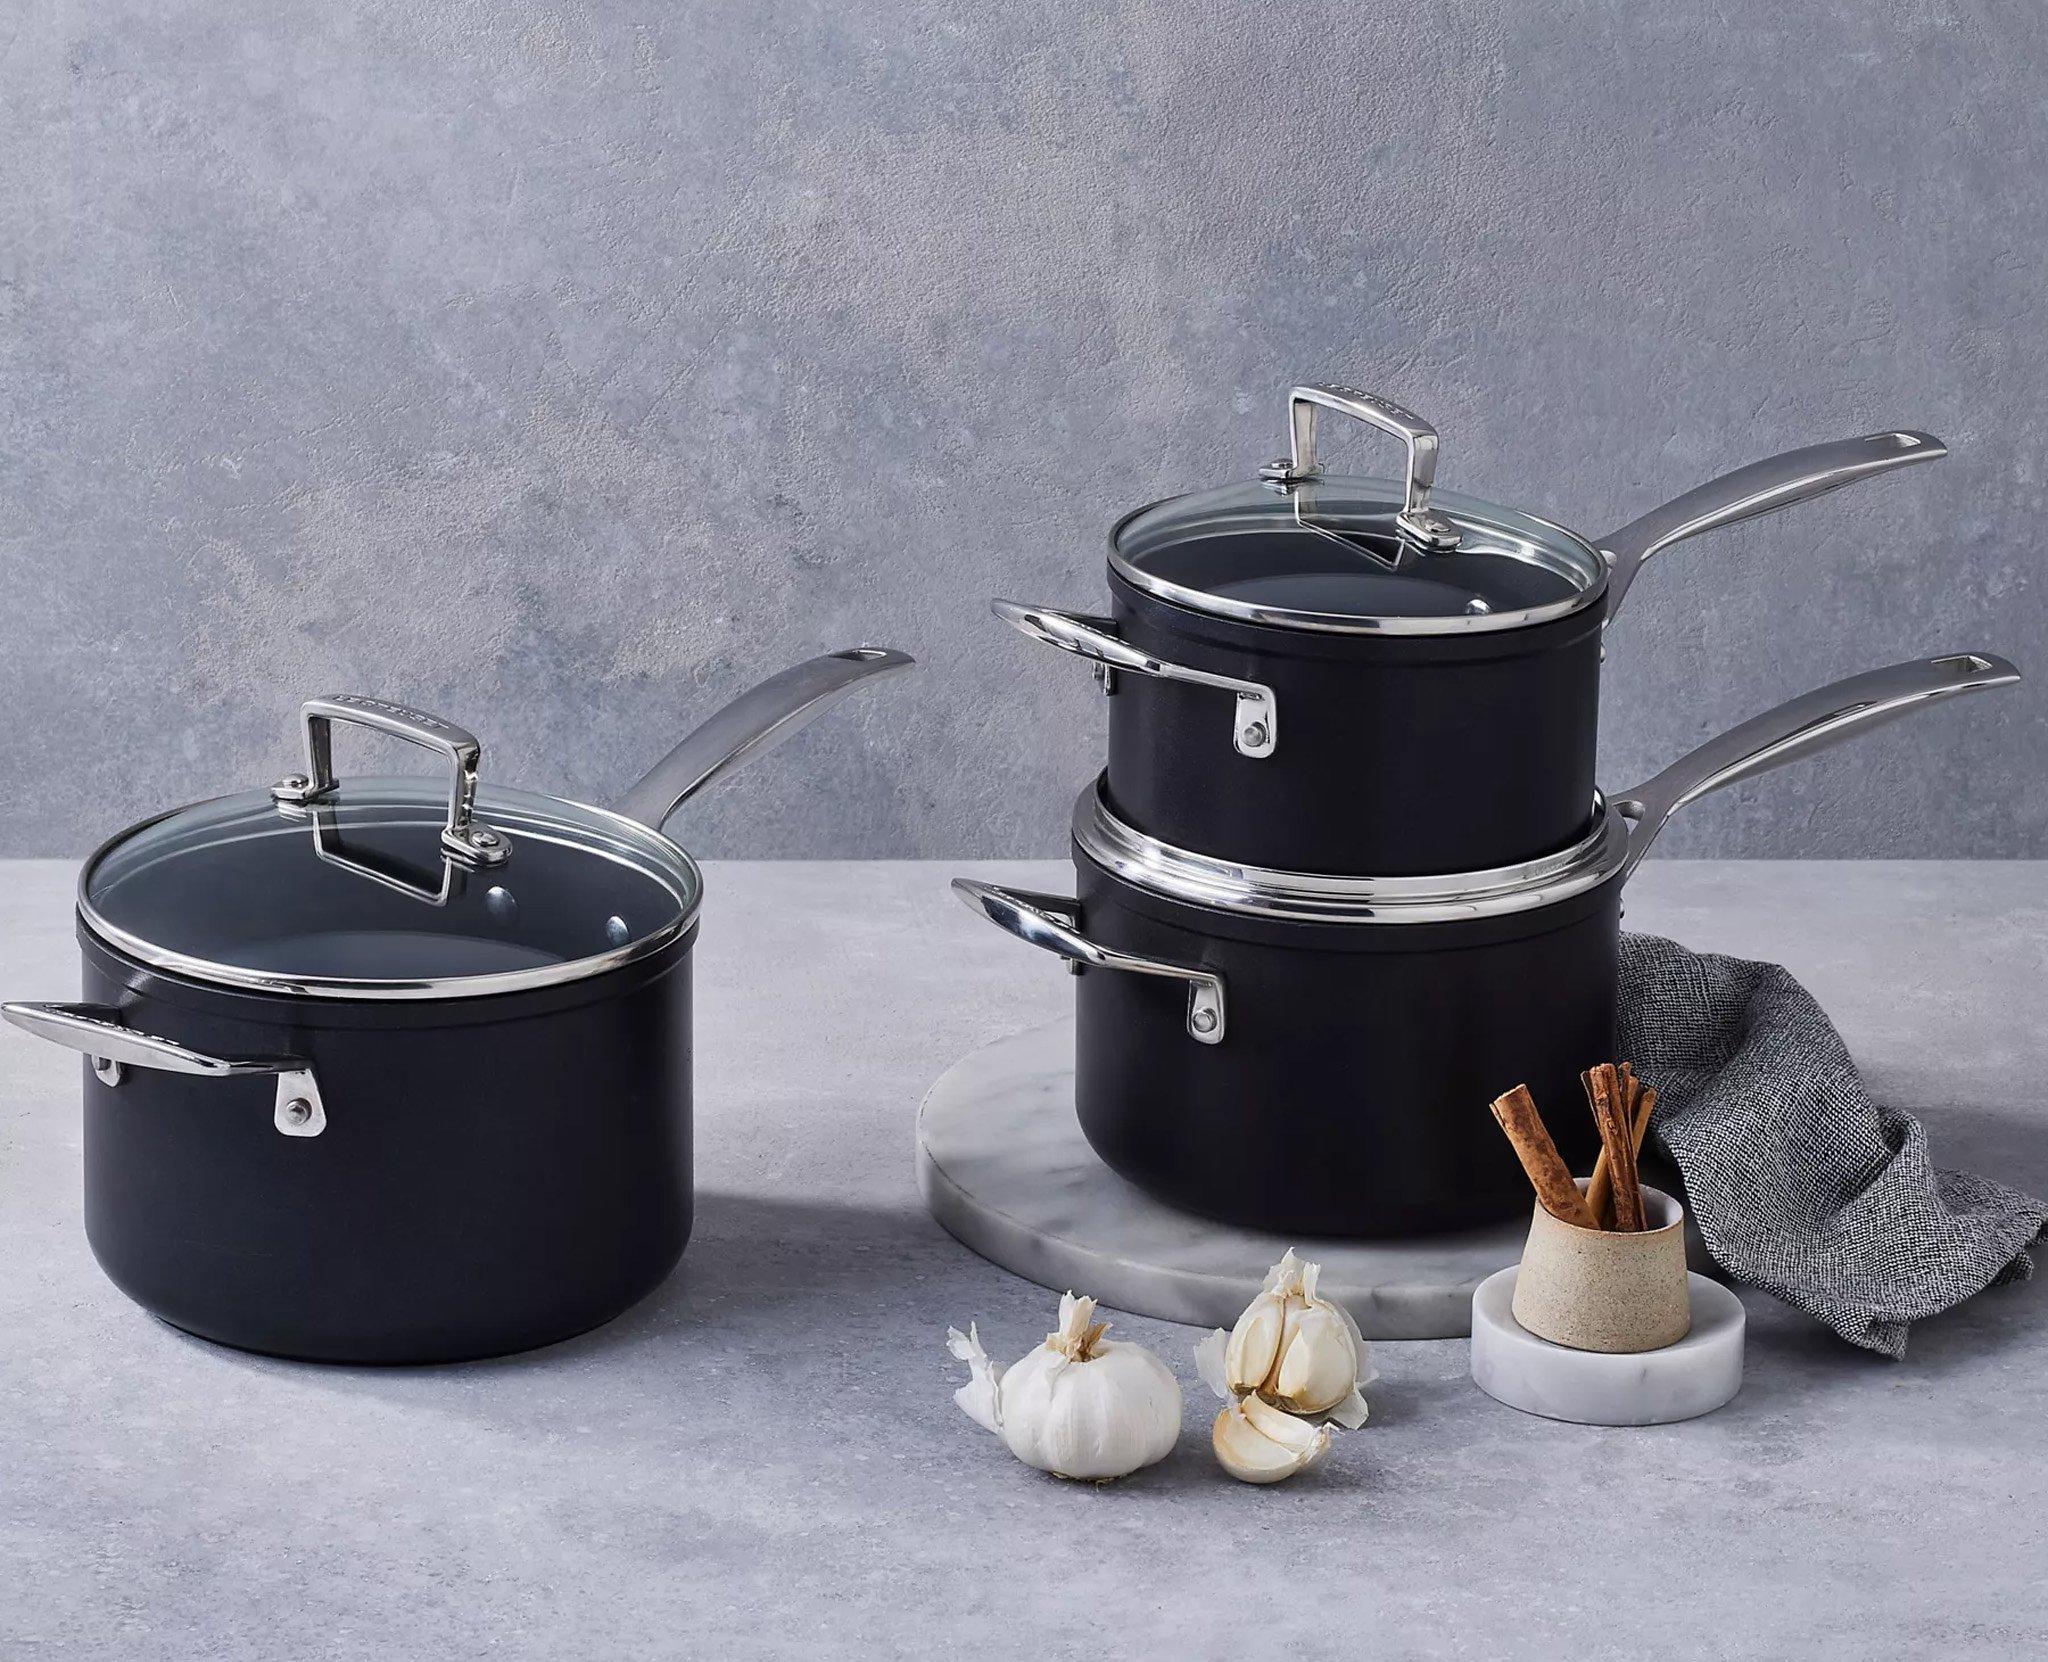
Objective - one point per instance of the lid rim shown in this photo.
(1334, 623)
(449, 989)
(209, 972)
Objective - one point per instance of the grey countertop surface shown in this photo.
(764, 1457)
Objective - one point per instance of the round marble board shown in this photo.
(1682, 1381)
(1002, 1164)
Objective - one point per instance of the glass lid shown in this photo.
(1302, 549)
(388, 887)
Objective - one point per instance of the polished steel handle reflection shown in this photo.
(754, 723)
(435, 890)
(1416, 518)
(1802, 726)
(462, 838)
(1031, 918)
(96, 1030)
(1760, 488)
(1255, 713)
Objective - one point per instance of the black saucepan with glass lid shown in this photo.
(382, 1070)
(1343, 675)
(1315, 1055)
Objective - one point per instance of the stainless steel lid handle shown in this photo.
(1802, 726)
(96, 1031)
(1760, 488)
(1255, 712)
(1049, 922)
(461, 837)
(1416, 517)
(753, 724)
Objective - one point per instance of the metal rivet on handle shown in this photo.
(298, 1110)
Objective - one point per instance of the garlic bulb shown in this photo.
(1078, 1405)
(1299, 1352)
(1258, 1443)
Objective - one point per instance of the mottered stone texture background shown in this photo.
(560, 367)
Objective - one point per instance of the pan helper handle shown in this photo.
(1255, 712)
(1810, 723)
(1048, 922)
(753, 724)
(98, 1032)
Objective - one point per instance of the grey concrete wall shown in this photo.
(560, 366)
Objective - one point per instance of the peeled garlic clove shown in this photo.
(1318, 1366)
(1250, 1455)
(1255, 1343)
(1247, 1454)
(1308, 1443)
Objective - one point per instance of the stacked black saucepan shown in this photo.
(391, 1070)
(1347, 876)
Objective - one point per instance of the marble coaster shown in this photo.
(1002, 1164)
(1680, 1382)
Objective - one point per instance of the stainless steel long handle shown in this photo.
(1030, 917)
(753, 724)
(1760, 488)
(461, 837)
(1255, 713)
(1812, 722)
(97, 1031)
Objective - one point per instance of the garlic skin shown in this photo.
(1258, 1443)
(1298, 1351)
(1079, 1405)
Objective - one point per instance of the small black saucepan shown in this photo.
(1314, 1055)
(382, 1071)
(1346, 675)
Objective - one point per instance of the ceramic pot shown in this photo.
(1603, 1289)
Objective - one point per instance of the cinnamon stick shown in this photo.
(1617, 1137)
(1600, 1186)
(1551, 1177)
(1642, 1102)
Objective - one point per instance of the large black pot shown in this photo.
(1315, 1055)
(381, 1072)
(1348, 675)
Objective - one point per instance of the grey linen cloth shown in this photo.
(1799, 1183)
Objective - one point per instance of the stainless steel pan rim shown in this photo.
(1312, 897)
(149, 953)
